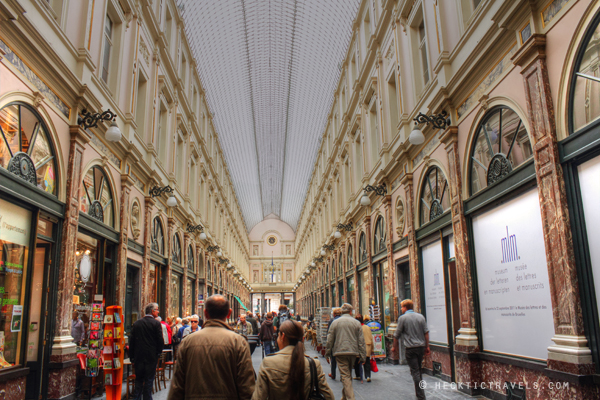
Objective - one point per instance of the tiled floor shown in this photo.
(391, 382)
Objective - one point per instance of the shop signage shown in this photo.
(15, 322)
(512, 276)
(435, 292)
(378, 339)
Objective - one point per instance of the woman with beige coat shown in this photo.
(358, 367)
(286, 374)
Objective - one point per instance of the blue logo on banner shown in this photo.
(509, 248)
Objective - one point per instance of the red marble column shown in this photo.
(356, 294)
(121, 270)
(467, 338)
(168, 252)
(415, 282)
(146, 290)
(570, 352)
(369, 246)
(184, 290)
(62, 380)
(391, 280)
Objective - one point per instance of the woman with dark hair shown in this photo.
(286, 374)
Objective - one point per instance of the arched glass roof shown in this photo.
(269, 69)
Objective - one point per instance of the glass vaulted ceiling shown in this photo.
(269, 69)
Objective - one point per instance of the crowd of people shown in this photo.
(213, 358)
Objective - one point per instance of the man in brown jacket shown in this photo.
(215, 362)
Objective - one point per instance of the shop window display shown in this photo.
(25, 148)
(15, 236)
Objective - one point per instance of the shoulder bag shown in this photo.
(315, 393)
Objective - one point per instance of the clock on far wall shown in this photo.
(272, 240)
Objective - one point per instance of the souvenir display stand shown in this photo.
(113, 352)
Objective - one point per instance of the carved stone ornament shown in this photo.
(499, 168)
(436, 210)
(22, 166)
(400, 216)
(96, 211)
(135, 219)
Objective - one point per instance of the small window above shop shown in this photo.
(362, 247)
(435, 199)
(176, 254)
(96, 196)
(379, 238)
(500, 145)
(190, 259)
(25, 147)
(350, 264)
(157, 238)
(585, 92)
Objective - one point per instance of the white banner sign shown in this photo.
(589, 182)
(512, 275)
(435, 293)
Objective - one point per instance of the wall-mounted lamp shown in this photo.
(158, 191)
(90, 120)
(379, 190)
(342, 227)
(439, 121)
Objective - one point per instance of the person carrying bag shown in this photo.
(288, 374)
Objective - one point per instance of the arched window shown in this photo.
(176, 253)
(208, 271)
(201, 266)
(157, 237)
(340, 264)
(585, 87)
(333, 271)
(434, 198)
(25, 146)
(221, 279)
(362, 248)
(350, 264)
(96, 196)
(501, 144)
(190, 259)
(379, 237)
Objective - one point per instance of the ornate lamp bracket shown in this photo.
(90, 120)
(379, 190)
(439, 121)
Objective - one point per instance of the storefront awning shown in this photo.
(239, 301)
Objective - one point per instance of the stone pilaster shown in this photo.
(415, 282)
(149, 204)
(61, 380)
(466, 341)
(570, 352)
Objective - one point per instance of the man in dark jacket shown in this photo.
(266, 333)
(250, 318)
(145, 346)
